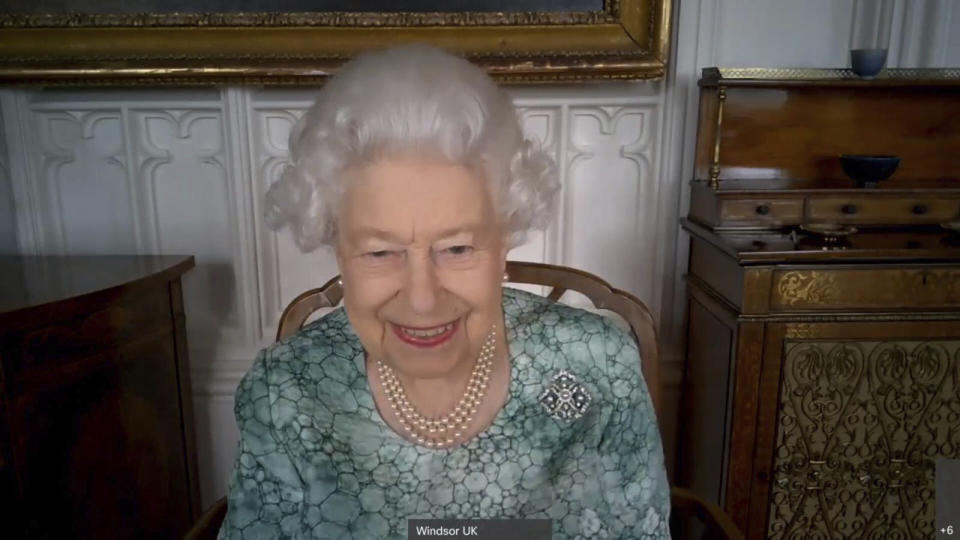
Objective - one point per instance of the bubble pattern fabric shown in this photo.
(316, 460)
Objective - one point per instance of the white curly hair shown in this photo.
(411, 100)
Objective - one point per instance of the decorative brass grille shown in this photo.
(860, 426)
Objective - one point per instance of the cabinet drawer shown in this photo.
(876, 288)
(881, 210)
(761, 212)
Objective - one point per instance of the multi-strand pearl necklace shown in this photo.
(444, 431)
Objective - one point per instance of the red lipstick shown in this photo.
(427, 337)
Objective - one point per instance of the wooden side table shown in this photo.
(96, 421)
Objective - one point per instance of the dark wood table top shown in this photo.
(28, 282)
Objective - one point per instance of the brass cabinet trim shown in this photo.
(802, 330)
(707, 295)
(821, 289)
(718, 75)
(714, 181)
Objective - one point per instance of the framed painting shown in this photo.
(117, 42)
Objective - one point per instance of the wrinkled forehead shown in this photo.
(415, 200)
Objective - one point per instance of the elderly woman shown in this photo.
(425, 396)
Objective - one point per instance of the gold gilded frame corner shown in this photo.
(629, 39)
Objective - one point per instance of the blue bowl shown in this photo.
(867, 62)
(867, 171)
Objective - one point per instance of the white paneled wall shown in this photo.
(184, 171)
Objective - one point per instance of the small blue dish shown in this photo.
(867, 62)
(867, 171)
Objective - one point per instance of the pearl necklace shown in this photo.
(444, 431)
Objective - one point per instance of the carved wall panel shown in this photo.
(860, 426)
(180, 165)
(82, 168)
(609, 205)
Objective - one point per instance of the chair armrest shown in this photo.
(718, 524)
(208, 526)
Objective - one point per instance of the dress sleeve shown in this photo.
(265, 494)
(634, 477)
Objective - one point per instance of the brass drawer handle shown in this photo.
(763, 209)
(920, 209)
(849, 209)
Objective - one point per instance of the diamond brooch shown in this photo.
(565, 398)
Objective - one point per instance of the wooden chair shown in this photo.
(684, 503)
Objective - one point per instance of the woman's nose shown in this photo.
(423, 288)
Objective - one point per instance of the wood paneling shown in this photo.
(803, 130)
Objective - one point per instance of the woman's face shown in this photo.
(421, 255)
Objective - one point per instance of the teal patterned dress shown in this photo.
(316, 460)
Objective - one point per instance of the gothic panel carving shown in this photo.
(82, 170)
(859, 429)
(610, 196)
(189, 208)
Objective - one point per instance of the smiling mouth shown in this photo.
(426, 337)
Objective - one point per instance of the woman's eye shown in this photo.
(459, 250)
(380, 255)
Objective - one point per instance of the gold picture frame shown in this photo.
(627, 39)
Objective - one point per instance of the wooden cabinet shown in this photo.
(824, 413)
(96, 421)
(822, 378)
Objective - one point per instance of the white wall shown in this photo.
(183, 171)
